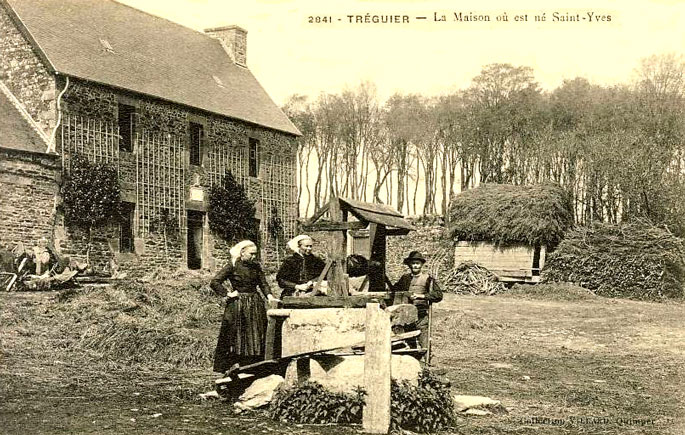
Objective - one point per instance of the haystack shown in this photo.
(508, 229)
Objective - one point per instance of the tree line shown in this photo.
(618, 150)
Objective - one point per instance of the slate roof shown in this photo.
(150, 55)
(15, 131)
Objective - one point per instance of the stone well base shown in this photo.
(345, 373)
(306, 330)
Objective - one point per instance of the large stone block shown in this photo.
(308, 330)
(345, 373)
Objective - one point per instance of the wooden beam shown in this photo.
(377, 353)
(273, 334)
(321, 277)
(335, 226)
(320, 212)
(353, 301)
(397, 232)
(337, 252)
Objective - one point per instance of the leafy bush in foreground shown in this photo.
(427, 407)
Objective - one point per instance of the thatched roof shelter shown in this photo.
(508, 214)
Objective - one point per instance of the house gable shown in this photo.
(148, 55)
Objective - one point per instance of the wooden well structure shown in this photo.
(337, 217)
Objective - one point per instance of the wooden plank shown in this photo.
(376, 414)
(322, 276)
(335, 226)
(352, 301)
(278, 365)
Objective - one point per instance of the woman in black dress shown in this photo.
(244, 288)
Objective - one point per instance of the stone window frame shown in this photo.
(135, 103)
(202, 121)
(257, 154)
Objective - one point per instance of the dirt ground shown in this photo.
(595, 366)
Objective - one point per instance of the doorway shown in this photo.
(195, 239)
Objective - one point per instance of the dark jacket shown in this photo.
(297, 269)
(243, 277)
(432, 291)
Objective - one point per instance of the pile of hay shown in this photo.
(471, 278)
(636, 260)
(173, 321)
(502, 213)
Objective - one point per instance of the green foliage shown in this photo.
(636, 260)
(90, 193)
(231, 213)
(538, 214)
(427, 407)
(312, 403)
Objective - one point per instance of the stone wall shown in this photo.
(99, 103)
(29, 187)
(23, 71)
(25, 75)
(428, 238)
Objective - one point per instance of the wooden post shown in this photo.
(377, 353)
(273, 335)
(336, 281)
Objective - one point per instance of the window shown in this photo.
(196, 134)
(254, 157)
(126, 227)
(127, 126)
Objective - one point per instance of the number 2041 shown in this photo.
(319, 19)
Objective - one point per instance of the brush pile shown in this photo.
(471, 278)
(636, 260)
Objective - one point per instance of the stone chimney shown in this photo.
(234, 41)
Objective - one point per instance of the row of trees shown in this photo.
(619, 150)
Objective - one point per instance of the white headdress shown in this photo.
(294, 243)
(237, 249)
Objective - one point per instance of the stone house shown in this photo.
(172, 109)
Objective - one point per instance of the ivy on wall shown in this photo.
(231, 213)
(90, 194)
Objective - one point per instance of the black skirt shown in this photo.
(243, 332)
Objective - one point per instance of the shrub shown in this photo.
(312, 403)
(231, 213)
(90, 193)
(427, 407)
(637, 260)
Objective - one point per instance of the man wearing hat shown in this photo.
(423, 291)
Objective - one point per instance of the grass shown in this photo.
(550, 292)
(549, 354)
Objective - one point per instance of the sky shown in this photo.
(289, 55)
